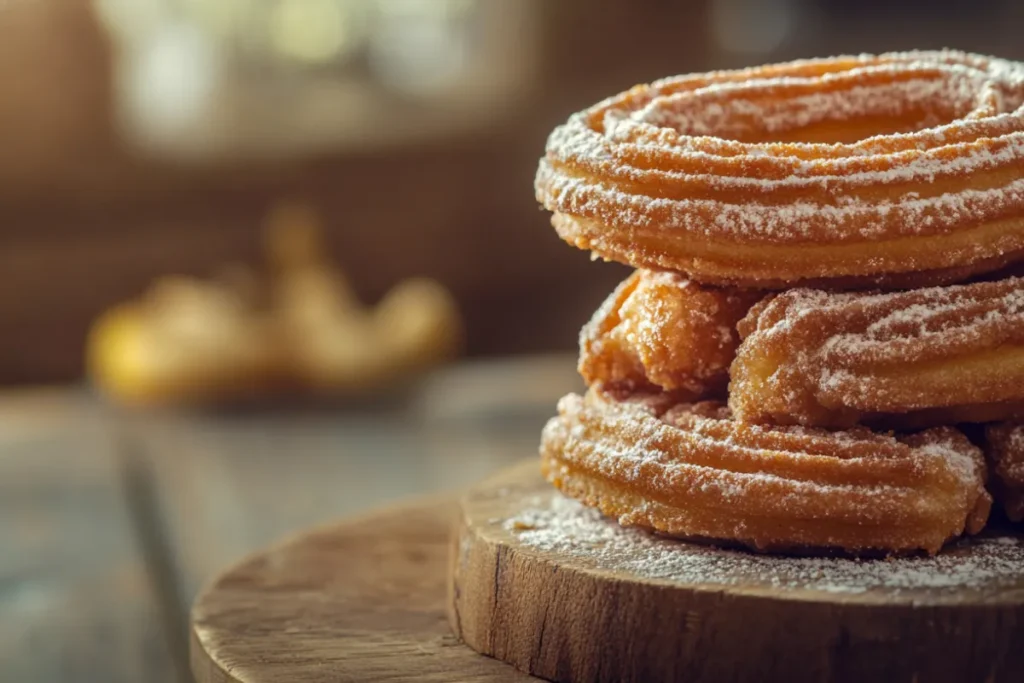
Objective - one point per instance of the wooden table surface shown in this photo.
(111, 521)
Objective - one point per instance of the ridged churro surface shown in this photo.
(939, 355)
(903, 169)
(690, 470)
(659, 330)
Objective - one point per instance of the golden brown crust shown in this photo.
(1004, 448)
(660, 330)
(692, 471)
(760, 270)
(895, 170)
(930, 356)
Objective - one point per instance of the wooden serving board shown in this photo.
(360, 601)
(366, 600)
(554, 589)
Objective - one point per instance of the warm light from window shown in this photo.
(221, 17)
(403, 9)
(313, 30)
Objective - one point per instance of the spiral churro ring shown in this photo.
(904, 169)
(939, 355)
(692, 471)
(659, 330)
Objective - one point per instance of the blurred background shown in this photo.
(210, 200)
(142, 138)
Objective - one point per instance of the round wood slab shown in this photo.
(365, 600)
(361, 601)
(554, 589)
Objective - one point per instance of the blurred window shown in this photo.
(205, 79)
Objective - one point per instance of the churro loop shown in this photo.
(658, 330)
(940, 355)
(1004, 448)
(902, 169)
(690, 470)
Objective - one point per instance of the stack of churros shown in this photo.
(825, 303)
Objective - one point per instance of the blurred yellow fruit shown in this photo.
(188, 341)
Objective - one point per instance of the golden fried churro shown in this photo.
(940, 355)
(660, 330)
(902, 169)
(689, 470)
(1004, 448)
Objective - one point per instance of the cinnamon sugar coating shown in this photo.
(1004, 448)
(903, 169)
(939, 355)
(658, 330)
(689, 470)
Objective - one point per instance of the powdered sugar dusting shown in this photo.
(860, 351)
(709, 154)
(784, 103)
(660, 329)
(554, 523)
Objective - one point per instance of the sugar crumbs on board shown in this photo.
(553, 522)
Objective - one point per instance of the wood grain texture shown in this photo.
(76, 600)
(361, 601)
(567, 618)
(226, 485)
